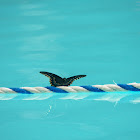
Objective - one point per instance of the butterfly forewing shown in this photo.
(70, 80)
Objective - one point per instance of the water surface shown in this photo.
(97, 38)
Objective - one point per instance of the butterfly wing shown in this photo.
(70, 80)
(55, 80)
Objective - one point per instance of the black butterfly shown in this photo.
(56, 80)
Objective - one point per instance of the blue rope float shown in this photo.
(129, 87)
(92, 89)
(19, 90)
(57, 90)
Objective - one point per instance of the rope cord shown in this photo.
(108, 92)
(74, 89)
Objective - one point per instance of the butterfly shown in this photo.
(56, 80)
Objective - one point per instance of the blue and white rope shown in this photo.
(73, 89)
(110, 92)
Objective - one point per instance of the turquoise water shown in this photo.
(97, 38)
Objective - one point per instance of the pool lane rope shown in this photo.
(74, 89)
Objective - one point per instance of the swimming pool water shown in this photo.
(68, 119)
(97, 38)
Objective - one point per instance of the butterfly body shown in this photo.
(56, 80)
